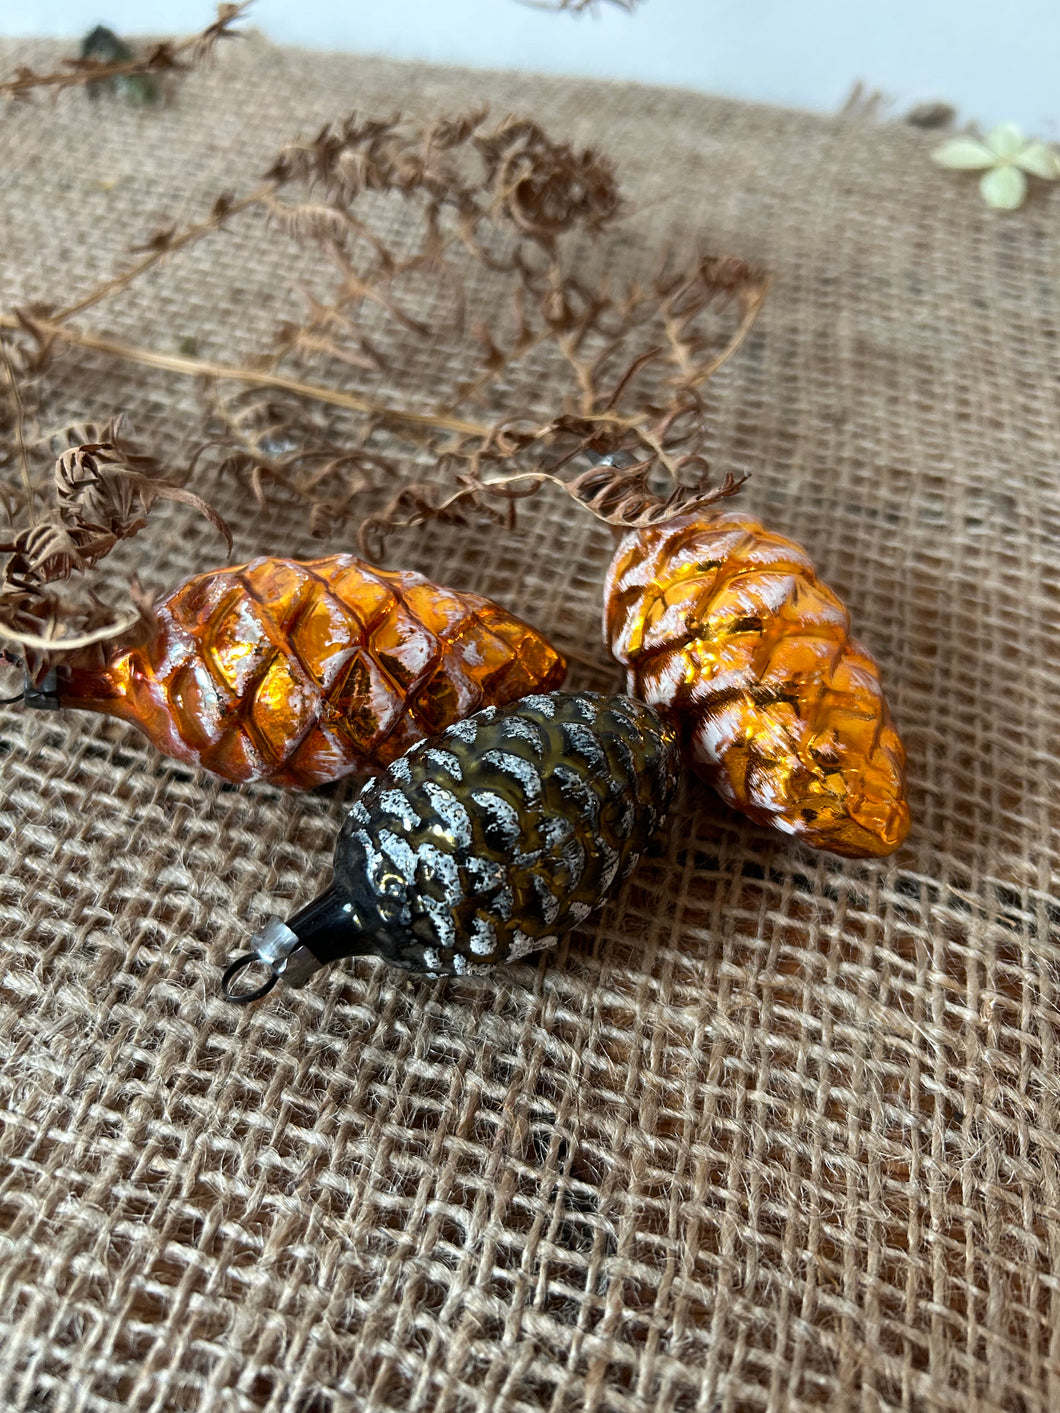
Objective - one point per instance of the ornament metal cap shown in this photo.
(294, 950)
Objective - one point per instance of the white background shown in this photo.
(993, 61)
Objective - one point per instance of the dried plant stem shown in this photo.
(254, 377)
(165, 57)
(71, 78)
(219, 214)
(72, 643)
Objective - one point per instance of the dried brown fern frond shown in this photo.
(513, 171)
(546, 188)
(164, 58)
(102, 493)
(417, 223)
(476, 322)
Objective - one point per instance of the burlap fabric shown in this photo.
(776, 1131)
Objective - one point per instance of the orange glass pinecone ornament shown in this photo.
(298, 673)
(727, 632)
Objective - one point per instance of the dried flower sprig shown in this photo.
(167, 57)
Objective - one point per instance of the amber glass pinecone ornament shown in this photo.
(298, 673)
(484, 844)
(726, 630)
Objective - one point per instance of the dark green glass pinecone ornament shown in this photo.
(486, 842)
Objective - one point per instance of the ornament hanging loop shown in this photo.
(279, 947)
(243, 998)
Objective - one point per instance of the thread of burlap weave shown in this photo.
(774, 1131)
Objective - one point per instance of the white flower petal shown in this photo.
(1040, 160)
(1004, 188)
(964, 154)
(1006, 140)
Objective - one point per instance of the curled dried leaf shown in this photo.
(270, 440)
(625, 499)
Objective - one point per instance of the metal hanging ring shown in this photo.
(243, 998)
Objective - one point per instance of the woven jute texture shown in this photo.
(773, 1131)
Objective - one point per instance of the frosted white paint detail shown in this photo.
(541, 702)
(674, 625)
(441, 919)
(400, 770)
(499, 812)
(707, 688)
(526, 730)
(579, 738)
(758, 593)
(450, 812)
(547, 899)
(444, 760)
(667, 675)
(398, 804)
(865, 681)
(555, 831)
(716, 733)
(585, 706)
(399, 852)
(485, 875)
(375, 865)
(574, 858)
(466, 731)
(180, 650)
(522, 944)
(483, 937)
(573, 786)
(519, 770)
(436, 863)
(417, 652)
(610, 870)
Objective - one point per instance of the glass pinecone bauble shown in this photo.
(726, 630)
(299, 673)
(488, 842)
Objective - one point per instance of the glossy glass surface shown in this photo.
(302, 672)
(727, 632)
